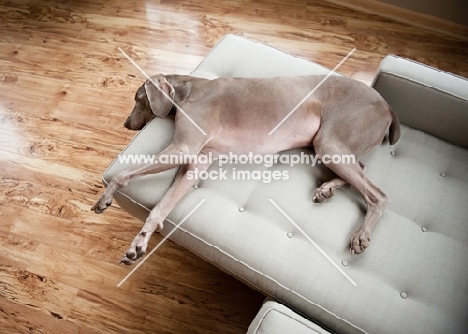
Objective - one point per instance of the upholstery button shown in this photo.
(344, 263)
(290, 235)
(404, 295)
(241, 209)
(424, 229)
(442, 174)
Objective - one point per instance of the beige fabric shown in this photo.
(413, 277)
(274, 318)
(425, 98)
(239, 57)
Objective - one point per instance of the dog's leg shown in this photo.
(375, 199)
(327, 189)
(353, 173)
(155, 220)
(122, 178)
(355, 131)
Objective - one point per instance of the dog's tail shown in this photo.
(394, 129)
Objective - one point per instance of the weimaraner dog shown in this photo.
(343, 116)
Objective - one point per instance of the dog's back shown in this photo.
(272, 114)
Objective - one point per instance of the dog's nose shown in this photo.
(127, 123)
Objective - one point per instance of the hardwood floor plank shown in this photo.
(38, 292)
(15, 318)
(164, 296)
(30, 170)
(78, 145)
(17, 251)
(147, 316)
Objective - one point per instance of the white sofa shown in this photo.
(414, 276)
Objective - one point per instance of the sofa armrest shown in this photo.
(425, 98)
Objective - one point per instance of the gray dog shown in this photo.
(343, 116)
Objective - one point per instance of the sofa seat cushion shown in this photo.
(413, 277)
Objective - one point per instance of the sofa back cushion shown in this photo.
(425, 98)
(240, 57)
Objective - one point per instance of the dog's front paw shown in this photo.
(101, 205)
(138, 247)
(359, 241)
(136, 250)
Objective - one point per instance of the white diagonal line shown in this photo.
(313, 90)
(161, 242)
(163, 92)
(313, 243)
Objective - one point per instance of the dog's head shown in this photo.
(150, 102)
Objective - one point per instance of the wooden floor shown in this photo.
(65, 91)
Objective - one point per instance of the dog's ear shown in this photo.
(159, 103)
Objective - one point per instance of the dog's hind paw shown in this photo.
(322, 194)
(359, 241)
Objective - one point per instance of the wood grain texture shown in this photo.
(65, 91)
(404, 15)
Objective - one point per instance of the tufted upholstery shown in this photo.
(414, 276)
